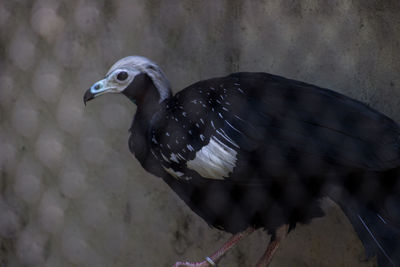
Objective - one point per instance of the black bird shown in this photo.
(255, 150)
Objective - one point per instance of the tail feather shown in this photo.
(379, 235)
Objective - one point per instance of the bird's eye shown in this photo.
(122, 76)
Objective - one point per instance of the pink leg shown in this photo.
(273, 245)
(214, 258)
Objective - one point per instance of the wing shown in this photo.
(304, 124)
(257, 124)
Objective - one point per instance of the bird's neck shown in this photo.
(144, 94)
(148, 104)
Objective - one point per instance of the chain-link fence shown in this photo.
(71, 194)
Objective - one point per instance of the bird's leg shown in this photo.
(273, 245)
(214, 258)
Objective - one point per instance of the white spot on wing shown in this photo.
(176, 174)
(154, 140)
(380, 217)
(165, 158)
(225, 136)
(215, 160)
(174, 158)
(230, 125)
(239, 118)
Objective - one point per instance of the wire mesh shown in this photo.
(71, 194)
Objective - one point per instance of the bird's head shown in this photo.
(133, 76)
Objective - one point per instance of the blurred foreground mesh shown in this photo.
(71, 193)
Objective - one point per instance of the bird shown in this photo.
(253, 150)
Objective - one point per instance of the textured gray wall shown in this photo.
(71, 194)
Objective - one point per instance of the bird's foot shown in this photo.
(206, 263)
(211, 261)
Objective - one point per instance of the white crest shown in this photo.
(145, 65)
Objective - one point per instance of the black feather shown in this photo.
(289, 141)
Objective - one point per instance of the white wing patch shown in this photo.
(215, 160)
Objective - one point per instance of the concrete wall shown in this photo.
(71, 194)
